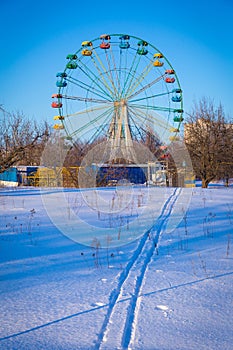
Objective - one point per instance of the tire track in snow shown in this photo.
(132, 314)
(120, 321)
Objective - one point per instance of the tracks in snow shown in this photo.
(120, 321)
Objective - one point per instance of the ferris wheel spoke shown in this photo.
(144, 88)
(102, 72)
(132, 117)
(155, 108)
(114, 82)
(145, 117)
(116, 73)
(132, 78)
(137, 82)
(132, 68)
(120, 71)
(140, 119)
(91, 122)
(124, 67)
(86, 111)
(100, 129)
(85, 99)
(87, 88)
(151, 96)
(101, 83)
(141, 129)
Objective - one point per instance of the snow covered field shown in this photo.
(84, 270)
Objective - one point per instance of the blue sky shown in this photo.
(195, 36)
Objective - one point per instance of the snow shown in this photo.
(83, 270)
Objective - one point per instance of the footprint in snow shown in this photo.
(98, 303)
(163, 308)
(104, 279)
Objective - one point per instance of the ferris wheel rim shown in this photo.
(60, 89)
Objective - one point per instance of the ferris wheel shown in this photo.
(118, 87)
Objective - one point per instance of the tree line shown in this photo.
(208, 136)
(22, 140)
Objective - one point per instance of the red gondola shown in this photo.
(56, 96)
(169, 71)
(104, 45)
(164, 156)
(169, 80)
(56, 104)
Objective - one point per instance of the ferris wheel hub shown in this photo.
(121, 103)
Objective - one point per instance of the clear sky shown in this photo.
(195, 36)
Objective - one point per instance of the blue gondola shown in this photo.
(124, 44)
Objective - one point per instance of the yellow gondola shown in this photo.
(174, 138)
(174, 130)
(86, 52)
(158, 55)
(58, 126)
(86, 43)
(157, 63)
(58, 117)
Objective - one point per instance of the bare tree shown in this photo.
(208, 138)
(54, 155)
(19, 138)
(226, 169)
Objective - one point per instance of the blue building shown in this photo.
(18, 175)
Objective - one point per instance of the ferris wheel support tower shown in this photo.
(120, 136)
